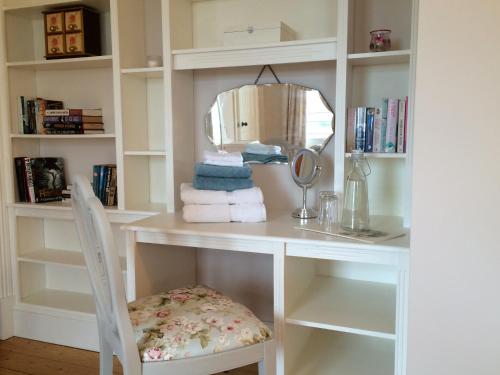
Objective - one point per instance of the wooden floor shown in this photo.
(26, 357)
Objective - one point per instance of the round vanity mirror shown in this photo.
(305, 169)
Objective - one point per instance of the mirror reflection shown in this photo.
(284, 117)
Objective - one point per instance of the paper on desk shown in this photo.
(370, 236)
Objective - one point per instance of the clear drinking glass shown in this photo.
(328, 209)
(355, 215)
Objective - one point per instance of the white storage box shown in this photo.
(278, 32)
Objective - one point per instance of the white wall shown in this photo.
(455, 255)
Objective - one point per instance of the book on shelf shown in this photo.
(75, 112)
(40, 179)
(378, 129)
(401, 127)
(104, 183)
(73, 121)
(32, 112)
(370, 118)
(392, 125)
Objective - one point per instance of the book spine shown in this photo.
(62, 119)
(370, 117)
(112, 187)
(360, 128)
(401, 126)
(62, 131)
(32, 117)
(39, 106)
(26, 128)
(21, 124)
(102, 182)
(57, 112)
(392, 125)
(95, 180)
(108, 186)
(351, 130)
(69, 126)
(29, 180)
(74, 112)
(20, 177)
(377, 131)
(406, 125)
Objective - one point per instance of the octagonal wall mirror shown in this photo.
(282, 114)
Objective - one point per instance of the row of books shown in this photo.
(104, 184)
(73, 121)
(44, 116)
(40, 179)
(381, 130)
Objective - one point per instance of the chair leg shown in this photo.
(105, 357)
(268, 365)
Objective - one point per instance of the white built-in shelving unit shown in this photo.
(341, 317)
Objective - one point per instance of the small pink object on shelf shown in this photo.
(380, 40)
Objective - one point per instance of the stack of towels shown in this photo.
(260, 153)
(222, 191)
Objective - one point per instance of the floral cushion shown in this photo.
(191, 322)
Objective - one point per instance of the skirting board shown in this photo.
(6, 318)
(57, 329)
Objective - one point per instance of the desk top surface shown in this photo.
(279, 227)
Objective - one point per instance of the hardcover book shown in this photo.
(377, 131)
(74, 112)
(401, 126)
(48, 179)
(370, 118)
(392, 125)
(360, 128)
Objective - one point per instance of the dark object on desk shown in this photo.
(72, 32)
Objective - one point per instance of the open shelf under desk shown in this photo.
(344, 305)
(258, 54)
(61, 300)
(93, 62)
(65, 258)
(379, 58)
(339, 353)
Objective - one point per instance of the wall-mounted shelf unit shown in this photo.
(154, 132)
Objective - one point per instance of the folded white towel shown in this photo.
(224, 213)
(190, 195)
(259, 148)
(231, 159)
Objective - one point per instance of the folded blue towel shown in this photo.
(264, 159)
(208, 170)
(220, 183)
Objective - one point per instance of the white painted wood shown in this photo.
(272, 53)
(62, 300)
(145, 72)
(63, 327)
(59, 257)
(340, 353)
(310, 19)
(343, 305)
(63, 136)
(93, 62)
(145, 153)
(379, 58)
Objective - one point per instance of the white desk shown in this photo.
(322, 286)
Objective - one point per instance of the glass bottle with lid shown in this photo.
(355, 214)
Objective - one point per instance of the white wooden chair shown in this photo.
(116, 330)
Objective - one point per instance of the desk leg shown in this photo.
(401, 323)
(131, 245)
(279, 310)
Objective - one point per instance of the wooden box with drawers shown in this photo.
(72, 32)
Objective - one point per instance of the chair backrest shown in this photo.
(101, 257)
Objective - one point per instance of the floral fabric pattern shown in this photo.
(189, 322)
